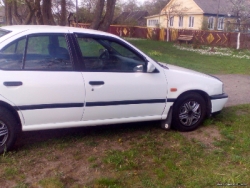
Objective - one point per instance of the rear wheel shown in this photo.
(8, 130)
(189, 112)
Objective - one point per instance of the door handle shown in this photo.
(13, 83)
(96, 83)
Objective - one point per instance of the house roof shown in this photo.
(137, 16)
(212, 6)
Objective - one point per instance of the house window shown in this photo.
(1, 19)
(180, 21)
(220, 23)
(171, 21)
(153, 22)
(211, 23)
(191, 21)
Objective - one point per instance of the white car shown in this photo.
(60, 77)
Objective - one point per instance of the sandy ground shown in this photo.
(237, 87)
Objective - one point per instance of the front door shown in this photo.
(117, 84)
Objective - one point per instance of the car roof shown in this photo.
(54, 29)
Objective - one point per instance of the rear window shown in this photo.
(3, 32)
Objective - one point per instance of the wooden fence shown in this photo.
(211, 38)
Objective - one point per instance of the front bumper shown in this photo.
(218, 102)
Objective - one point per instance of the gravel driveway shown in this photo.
(237, 87)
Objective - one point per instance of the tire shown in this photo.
(189, 112)
(8, 130)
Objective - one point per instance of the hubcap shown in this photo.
(190, 113)
(3, 133)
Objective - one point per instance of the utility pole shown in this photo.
(218, 11)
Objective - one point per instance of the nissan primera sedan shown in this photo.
(60, 77)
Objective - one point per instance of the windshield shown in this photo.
(3, 32)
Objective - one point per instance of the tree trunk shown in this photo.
(17, 18)
(47, 13)
(30, 15)
(63, 13)
(38, 13)
(8, 12)
(108, 18)
(98, 14)
(33, 21)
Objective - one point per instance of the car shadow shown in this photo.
(33, 137)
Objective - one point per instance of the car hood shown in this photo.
(185, 80)
(181, 70)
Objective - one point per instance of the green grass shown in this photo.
(122, 160)
(54, 182)
(211, 64)
(108, 182)
(140, 155)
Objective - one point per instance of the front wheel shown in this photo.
(189, 112)
(8, 130)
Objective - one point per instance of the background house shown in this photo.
(193, 14)
(135, 18)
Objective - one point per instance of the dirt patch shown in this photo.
(237, 87)
(80, 162)
(206, 136)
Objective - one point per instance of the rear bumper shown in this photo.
(218, 102)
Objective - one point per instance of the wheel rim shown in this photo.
(3, 133)
(190, 113)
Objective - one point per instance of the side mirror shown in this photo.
(150, 67)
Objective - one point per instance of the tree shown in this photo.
(86, 12)
(48, 18)
(63, 13)
(38, 13)
(169, 12)
(98, 15)
(241, 10)
(154, 6)
(35, 11)
(108, 18)
(172, 10)
(22, 12)
(130, 6)
(102, 22)
(8, 12)
(52, 12)
(61, 10)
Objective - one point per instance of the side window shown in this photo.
(90, 47)
(211, 23)
(11, 56)
(122, 50)
(47, 52)
(109, 56)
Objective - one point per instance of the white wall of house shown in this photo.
(186, 15)
(153, 21)
(191, 21)
(192, 15)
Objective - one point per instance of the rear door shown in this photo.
(38, 77)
